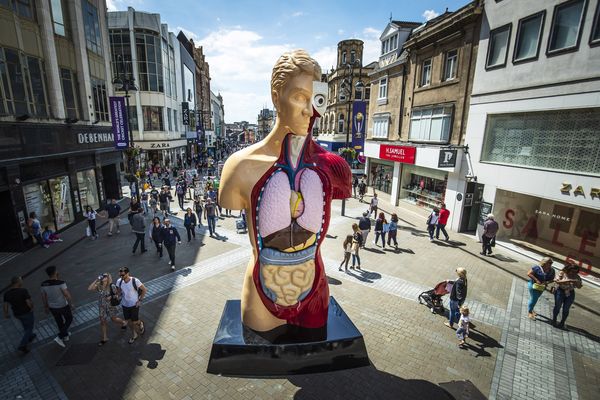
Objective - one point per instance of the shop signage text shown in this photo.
(579, 191)
(159, 145)
(94, 137)
(120, 127)
(185, 113)
(447, 159)
(403, 154)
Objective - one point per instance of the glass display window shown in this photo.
(88, 190)
(60, 190)
(380, 176)
(38, 200)
(423, 187)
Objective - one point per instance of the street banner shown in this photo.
(359, 124)
(185, 113)
(201, 135)
(120, 128)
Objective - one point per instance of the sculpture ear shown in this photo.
(275, 99)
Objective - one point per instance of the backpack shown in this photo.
(115, 299)
(180, 189)
(139, 291)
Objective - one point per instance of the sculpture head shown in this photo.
(292, 90)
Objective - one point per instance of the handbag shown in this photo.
(354, 246)
(88, 231)
(539, 286)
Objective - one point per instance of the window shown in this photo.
(566, 26)
(498, 47)
(383, 88)
(120, 52)
(88, 191)
(342, 92)
(528, 37)
(358, 93)
(169, 122)
(367, 92)
(389, 44)
(352, 56)
(172, 71)
(132, 118)
(91, 24)
(57, 17)
(341, 123)
(166, 67)
(343, 58)
(153, 118)
(595, 34)
(450, 65)
(22, 84)
(70, 93)
(381, 125)
(149, 61)
(175, 120)
(426, 73)
(23, 8)
(100, 104)
(431, 124)
(563, 140)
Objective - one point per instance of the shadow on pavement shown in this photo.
(463, 390)
(363, 275)
(364, 383)
(501, 257)
(373, 250)
(333, 281)
(479, 341)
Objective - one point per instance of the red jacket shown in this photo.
(444, 214)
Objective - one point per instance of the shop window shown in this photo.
(381, 126)
(529, 33)
(450, 65)
(381, 177)
(153, 118)
(498, 47)
(588, 224)
(58, 20)
(148, 48)
(422, 187)
(561, 218)
(566, 26)
(60, 191)
(425, 73)
(559, 140)
(100, 96)
(39, 200)
(91, 24)
(431, 124)
(88, 191)
(70, 93)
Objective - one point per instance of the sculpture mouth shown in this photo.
(289, 280)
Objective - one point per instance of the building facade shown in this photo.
(58, 153)
(218, 123)
(419, 107)
(336, 126)
(533, 127)
(264, 122)
(142, 48)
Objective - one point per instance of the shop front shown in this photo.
(54, 171)
(380, 175)
(423, 187)
(164, 152)
(559, 229)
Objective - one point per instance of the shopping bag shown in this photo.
(88, 231)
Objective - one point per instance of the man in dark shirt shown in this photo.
(22, 308)
(113, 210)
(364, 224)
(170, 237)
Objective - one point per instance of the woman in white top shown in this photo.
(90, 215)
(432, 221)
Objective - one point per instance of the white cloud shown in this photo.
(372, 44)
(298, 14)
(430, 14)
(340, 31)
(326, 57)
(188, 33)
(121, 5)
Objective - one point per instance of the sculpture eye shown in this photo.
(319, 100)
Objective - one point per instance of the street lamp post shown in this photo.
(124, 81)
(347, 85)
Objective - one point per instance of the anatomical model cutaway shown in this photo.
(286, 183)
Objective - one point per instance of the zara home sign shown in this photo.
(403, 154)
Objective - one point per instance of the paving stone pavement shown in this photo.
(409, 347)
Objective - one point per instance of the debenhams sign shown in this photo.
(104, 137)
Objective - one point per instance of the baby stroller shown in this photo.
(433, 297)
(240, 225)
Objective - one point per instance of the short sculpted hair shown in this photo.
(289, 65)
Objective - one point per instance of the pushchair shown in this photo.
(240, 225)
(433, 297)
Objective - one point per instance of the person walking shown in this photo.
(198, 208)
(108, 301)
(539, 277)
(393, 231)
(364, 225)
(134, 206)
(380, 222)
(58, 301)
(180, 191)
(347, 251)
(357, 242)
(19, 300)
(113, 209)
(138, 226)
(34, 228)
(567, 280)
(210, 214)
(163, 199)
(90, 214)
(458, 295)
(170, 238)
(442, 221)
(354, 185)
(462, 333)
(488, 238)
(144, 201)
(432, 221)
(362, 189)
(156, 233)
(132, 292)
(189, 221)
(373, 206)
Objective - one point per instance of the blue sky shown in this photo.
(243, 39)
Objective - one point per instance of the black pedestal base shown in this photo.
(286, 350)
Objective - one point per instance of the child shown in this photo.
(347, 251)
(49, 236)
(462, 333)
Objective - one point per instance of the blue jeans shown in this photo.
(454, 313)
(355, 258)
(534, 296)
(560, 300)
(382, 235)
(431, 230)
(27, 322)
(212, 224)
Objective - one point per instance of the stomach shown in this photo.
(287, 285)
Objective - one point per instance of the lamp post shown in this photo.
(347, 86)
(125, 82)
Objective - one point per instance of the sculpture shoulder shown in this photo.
(336, 168)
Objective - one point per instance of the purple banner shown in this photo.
(359, 125)
(118, 115)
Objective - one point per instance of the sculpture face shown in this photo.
(294, 104)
